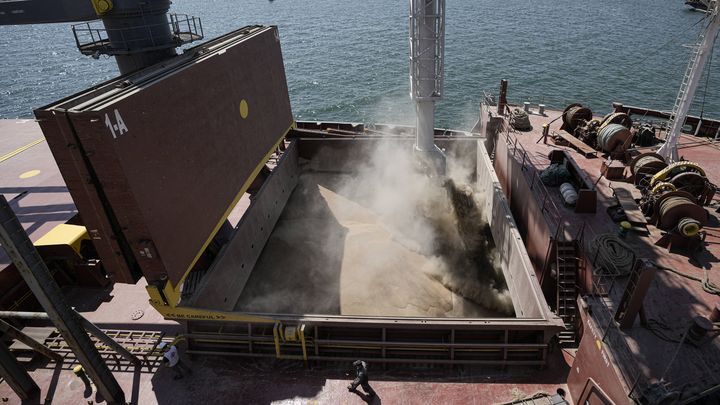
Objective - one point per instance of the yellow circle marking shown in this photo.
(28, 174)
(243, 108)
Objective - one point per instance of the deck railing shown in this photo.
(532, 176)
(607, 288)
(92, 38)
(604, 283)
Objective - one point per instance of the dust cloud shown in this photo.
(437, 218)
(374, 235)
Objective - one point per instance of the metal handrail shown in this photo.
(532, 176)
(603, 285)
(89, 34)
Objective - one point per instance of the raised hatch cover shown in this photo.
(156, 159)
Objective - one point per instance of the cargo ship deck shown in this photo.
(637, 358)
(124, 308)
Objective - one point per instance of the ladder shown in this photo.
(567, 290)
(693, 73)
(682, 92)
(630, 288)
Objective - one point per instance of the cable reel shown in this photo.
(573, 116)
(677, 210)
(613, 138)
(689, 227)
(616, 118)
(644, 166)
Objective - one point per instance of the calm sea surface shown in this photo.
(348, 60)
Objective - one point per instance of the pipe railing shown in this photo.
(90, 35)
(532, 176)
(603, 313)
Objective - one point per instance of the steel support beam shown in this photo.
(89, 327)
(15, 374)
(16, 334)
(29, 264)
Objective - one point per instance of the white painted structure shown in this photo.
(698, 60)
(427, 52)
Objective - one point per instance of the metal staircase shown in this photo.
(698, 62)
(682, 92)
(567, 290)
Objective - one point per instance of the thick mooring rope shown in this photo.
(610, 253)
(555, 174)
(707, 285)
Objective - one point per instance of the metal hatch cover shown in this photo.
(170, 149)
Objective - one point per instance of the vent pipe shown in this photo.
(427, 52)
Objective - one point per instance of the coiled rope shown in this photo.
(612, 254)
(555, 174)
(520, 120)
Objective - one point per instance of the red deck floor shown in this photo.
(31, 181)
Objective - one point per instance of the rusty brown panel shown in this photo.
(116, 187)
(172, 151)
(185, 158)
(593, 361)
(67, 154)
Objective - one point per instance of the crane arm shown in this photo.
(17, 12)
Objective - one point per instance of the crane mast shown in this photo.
(698, 60)
(427, 51)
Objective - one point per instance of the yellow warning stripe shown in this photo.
(20, 150)
(172, 292)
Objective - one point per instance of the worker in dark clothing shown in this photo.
(361, 379)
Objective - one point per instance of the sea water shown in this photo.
(348, 59)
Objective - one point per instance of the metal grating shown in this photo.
(142, 344)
